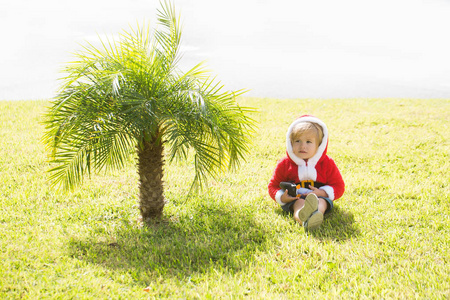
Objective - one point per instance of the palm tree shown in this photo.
(129, 94)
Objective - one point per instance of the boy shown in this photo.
(313, 176)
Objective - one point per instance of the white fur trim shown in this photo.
(278, 197)
(313, 160)
(307, 173)
(329, 190)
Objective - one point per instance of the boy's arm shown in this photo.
(318, 192)
(279, 175)
(284, 197)
(335, 185)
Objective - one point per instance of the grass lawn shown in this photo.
(388, 237)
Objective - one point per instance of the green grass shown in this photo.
(388, 236)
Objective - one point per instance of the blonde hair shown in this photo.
(302, 127)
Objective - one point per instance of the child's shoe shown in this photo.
(311, 205)
(314, 221)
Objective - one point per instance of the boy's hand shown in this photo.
(285, 198)
(318, 192)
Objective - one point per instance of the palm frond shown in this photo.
(208, 121)
(129, 90)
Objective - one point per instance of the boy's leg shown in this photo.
(310, 211)
(297, 206)
(304, 208)
(316, 219)
(323, 205)
(311, 205)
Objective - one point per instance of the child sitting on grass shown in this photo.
(306, 181)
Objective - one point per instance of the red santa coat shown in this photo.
(320, 168)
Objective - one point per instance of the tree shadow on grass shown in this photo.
(338, 225)
(210, 238)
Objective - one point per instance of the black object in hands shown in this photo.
(290, 187)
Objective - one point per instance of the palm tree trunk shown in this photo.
(150, 171)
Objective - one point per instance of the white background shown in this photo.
(275, 48)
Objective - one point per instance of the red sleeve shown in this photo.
(334, 179)
(281, 173)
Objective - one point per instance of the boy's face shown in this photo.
(305, 146)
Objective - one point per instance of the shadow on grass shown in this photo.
(211, 238)
(338, 225)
